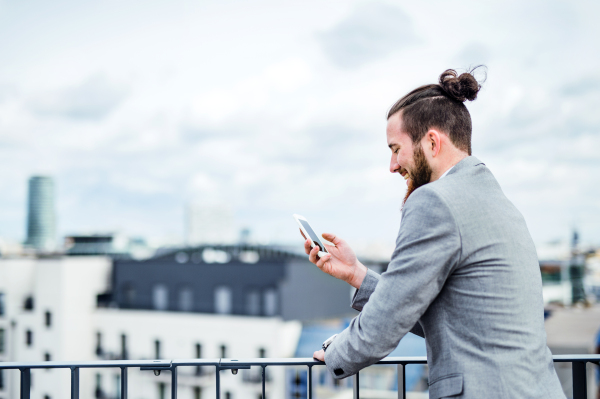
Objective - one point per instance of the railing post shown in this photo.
(74, 382)
(356, 387)
(123, 382)
(309, 381)
(263, 382)
(25, 383)
(174, 382)
(579, 380)
(401, 381)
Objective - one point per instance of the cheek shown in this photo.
(401, 158)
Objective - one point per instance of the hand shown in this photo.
(341, 262)
(319, 355)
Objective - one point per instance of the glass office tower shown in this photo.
(41, 217)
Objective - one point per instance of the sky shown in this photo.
(274, 108)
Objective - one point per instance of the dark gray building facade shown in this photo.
(230, 279)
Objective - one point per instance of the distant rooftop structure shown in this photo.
(110, 244)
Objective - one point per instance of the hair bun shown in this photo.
(460, 87)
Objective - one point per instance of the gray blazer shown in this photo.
(466, 275)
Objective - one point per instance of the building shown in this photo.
(244, 280)
(111, 244)
(48, 311)
(201, 302)
(41, 216)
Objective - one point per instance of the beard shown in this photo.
(421, 173)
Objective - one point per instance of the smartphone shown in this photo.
(310, 234)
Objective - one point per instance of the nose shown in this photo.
(394, 167)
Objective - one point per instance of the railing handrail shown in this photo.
(578, 364)
(230, 362)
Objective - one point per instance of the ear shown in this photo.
(433, 142)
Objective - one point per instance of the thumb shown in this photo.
(332, 238)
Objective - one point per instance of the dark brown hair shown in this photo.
(440, 106)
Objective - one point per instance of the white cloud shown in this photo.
(93, 99)
(371, 31)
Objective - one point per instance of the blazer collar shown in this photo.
(465, 163)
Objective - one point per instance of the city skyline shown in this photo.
(280, 109)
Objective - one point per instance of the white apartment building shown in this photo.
(48, 311)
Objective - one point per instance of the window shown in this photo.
(128, 293)
(1, 340)
(253, 303)
(160, 297)
(47, 357)
(28, 337)
(28, 304)
(270, 302)
(99, 350)
(48, 318)
(2, 304)
(124, 347)
(197, 393)
(223, 300)
(157, 349)
(186, 299)
(223, 351)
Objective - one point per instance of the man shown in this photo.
(464, 273)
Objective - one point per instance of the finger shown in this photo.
(332, 238)
(307, 246)
(322, 260)
(313, 255)
(319, 355)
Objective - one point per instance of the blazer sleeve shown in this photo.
(427, 252)
(361, 297)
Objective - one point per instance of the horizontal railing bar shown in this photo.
(91, 364)
(404, 360)
(242, 363)
(576, 358)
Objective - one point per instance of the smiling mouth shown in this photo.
(404, 174)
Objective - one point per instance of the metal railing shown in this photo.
(578, 366)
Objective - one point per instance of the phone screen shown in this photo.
(312, 234)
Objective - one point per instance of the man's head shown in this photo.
(429, 129)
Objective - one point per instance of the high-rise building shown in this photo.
(41, 216)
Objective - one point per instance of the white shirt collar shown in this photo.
(446, 172)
